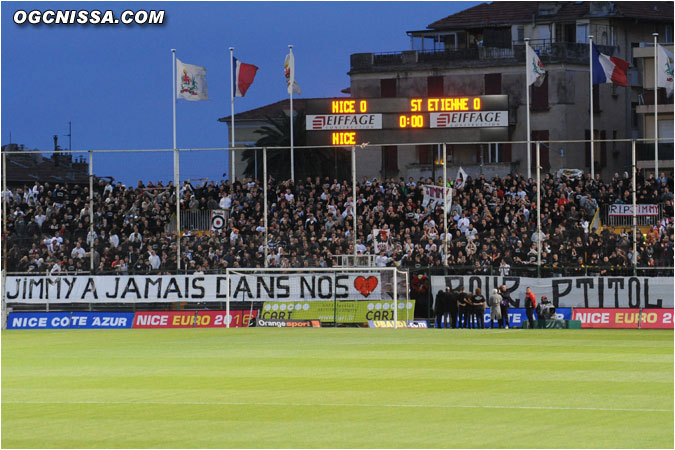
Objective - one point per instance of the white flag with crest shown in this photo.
(191, 81)
(664, 66)
(534, 68)
(289, 72)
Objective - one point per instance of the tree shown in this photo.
(309, 162)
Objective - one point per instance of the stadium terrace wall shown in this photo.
(572, 292)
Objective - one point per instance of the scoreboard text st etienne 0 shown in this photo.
(346, 121)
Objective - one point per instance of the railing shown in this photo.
(551, 52)
(193, 220)
(469, 54)
(531, 271)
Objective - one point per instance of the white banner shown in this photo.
(469, 119)
(381, 240)
(218, 219)
(433, 196)
(344, 122)
(627, 210)
(572, 292)
(192, 288)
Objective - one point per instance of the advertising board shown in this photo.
(624, 318)
(192, 319)
(66, 320)
(281, 323)
(347, 311)
(399, 324)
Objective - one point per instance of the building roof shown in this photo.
(30, 167)
(509, 12)
(272, 110)
(658, 11)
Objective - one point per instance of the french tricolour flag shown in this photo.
(609, 69)
(242, 77)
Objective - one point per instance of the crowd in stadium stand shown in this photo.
(492, 226)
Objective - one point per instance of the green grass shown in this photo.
(337, 388)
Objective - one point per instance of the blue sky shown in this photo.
(114, 82)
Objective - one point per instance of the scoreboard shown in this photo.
(347, 121)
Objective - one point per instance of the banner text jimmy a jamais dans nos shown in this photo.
(130, 288)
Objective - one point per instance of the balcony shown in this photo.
(645, 151)
(549, 52)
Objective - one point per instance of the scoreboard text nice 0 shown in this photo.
(345, 121)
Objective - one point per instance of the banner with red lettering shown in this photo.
(624, 318)
(193, 319)
(657, 319)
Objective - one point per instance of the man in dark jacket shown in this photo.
(439, 309)
(506, 302)
(530, 306)
(479, 308)
(463, 309)
(453, 298)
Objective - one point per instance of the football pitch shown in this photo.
(337, 388)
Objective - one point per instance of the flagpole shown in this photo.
(445, 206)
(656, 107)
(538, 156)
(176, 177)
(232, 152)
(290, 47)
(265, 201)
(590, 64)
(527, 97)
(633, 188)
(354, 198)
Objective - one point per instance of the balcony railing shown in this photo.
(549, 52)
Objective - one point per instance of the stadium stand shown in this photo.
(492, 226)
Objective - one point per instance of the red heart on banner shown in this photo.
(365, 285)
